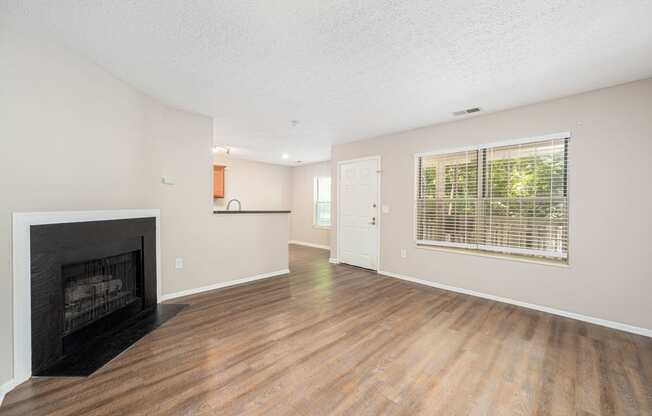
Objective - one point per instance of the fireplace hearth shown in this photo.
(93, 293)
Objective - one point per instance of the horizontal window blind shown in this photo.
(505, 198)
(447, 204)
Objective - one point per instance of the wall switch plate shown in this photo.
(385, 209)
(178, 263)
(403, 253)
(166, 180)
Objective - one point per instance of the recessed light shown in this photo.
(285, 156)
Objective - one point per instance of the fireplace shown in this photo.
(93, 292)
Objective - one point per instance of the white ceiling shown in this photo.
(348, 69)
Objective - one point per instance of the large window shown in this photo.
(322, 202)
(508, 198)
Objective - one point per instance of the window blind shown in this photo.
(510, 198)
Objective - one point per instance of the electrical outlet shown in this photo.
(178, 263)
(403, 253)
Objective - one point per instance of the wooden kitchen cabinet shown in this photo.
(218, 181)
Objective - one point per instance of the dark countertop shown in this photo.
(251, 212)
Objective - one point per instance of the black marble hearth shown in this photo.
(105, 347)
(93, 293)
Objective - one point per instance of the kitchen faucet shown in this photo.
(228, 205)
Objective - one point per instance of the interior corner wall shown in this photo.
(72, 139)
(609, 173)
(301, 220)
(75, 138)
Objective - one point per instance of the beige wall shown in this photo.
(215, 248)
(610, 222)
(301, 220)
(73, 137)
(257, 185)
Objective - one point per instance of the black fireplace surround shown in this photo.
(89, 282)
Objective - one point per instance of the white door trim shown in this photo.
(339, 220)
(22, 319)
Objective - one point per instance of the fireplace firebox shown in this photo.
(93, 289)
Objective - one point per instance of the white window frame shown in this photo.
(315, 202)
(484, 250)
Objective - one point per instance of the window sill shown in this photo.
(321, 227)
(504, 256)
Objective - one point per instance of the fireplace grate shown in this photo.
(96, 288)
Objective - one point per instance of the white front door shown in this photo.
(358, 212)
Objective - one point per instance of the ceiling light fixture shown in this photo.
(285, 156)
(218, 149)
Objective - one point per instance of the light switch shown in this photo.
(178, 263)
(166, 180)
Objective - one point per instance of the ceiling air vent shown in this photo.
(467, 111)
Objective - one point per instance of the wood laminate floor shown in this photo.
(336, 340)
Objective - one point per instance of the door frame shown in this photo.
(377, 158)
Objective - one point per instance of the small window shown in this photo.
(508, 198)
(322, 202)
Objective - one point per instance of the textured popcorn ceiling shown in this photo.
(348, 69)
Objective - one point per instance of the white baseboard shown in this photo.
(597, 321)
(302, 243)
(6, 388)
(223, 284)
(334, 260)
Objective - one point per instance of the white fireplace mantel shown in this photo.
(22, 221)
